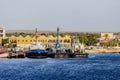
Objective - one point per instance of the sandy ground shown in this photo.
(103, 50)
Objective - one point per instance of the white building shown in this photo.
(2, 32)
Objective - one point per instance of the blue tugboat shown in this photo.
(37, 49)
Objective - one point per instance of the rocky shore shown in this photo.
(103, 50)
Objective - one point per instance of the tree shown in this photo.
(83, 39)
(43, 34)
(62, 34)
(53, 34)
(92, 38)
(106, 36)
(115, 42)
(4, 41)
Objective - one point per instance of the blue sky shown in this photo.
(69, 15)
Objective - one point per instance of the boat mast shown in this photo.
(36, 35)
(76, 36)
(58, 35)
(77, 40)
(57, 44)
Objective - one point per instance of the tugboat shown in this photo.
(57, 51)
(78, 49)
(37, 49)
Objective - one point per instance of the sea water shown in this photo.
(96, 67)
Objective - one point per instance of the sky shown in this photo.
(68, 15)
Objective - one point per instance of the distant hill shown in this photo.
(33, 31)
(26, 31)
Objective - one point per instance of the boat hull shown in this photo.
(4, 55)
(79, 55)
(68, 55)
(36, 54)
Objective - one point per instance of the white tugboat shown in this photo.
(78, 48)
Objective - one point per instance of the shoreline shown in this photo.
(103, 50)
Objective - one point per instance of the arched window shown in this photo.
(68, 41)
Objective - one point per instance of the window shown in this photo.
(53, 40)
(65, 41)
(1, 35)
(68, 41)
(1, 31)
(14, 41)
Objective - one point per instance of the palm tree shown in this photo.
(93, 38)
(83, 39)
(106, 36)
(4, 41)
(116, 42)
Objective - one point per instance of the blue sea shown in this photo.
(96, 67)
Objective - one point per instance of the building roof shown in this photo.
(105, 41)
(2, 27)
(118, 37)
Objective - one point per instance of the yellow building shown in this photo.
(0, 41)
(106, 35)
(49, 41)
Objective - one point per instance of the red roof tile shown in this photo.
(118, 37)
(105, 41)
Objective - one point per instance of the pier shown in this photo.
(17, 55)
